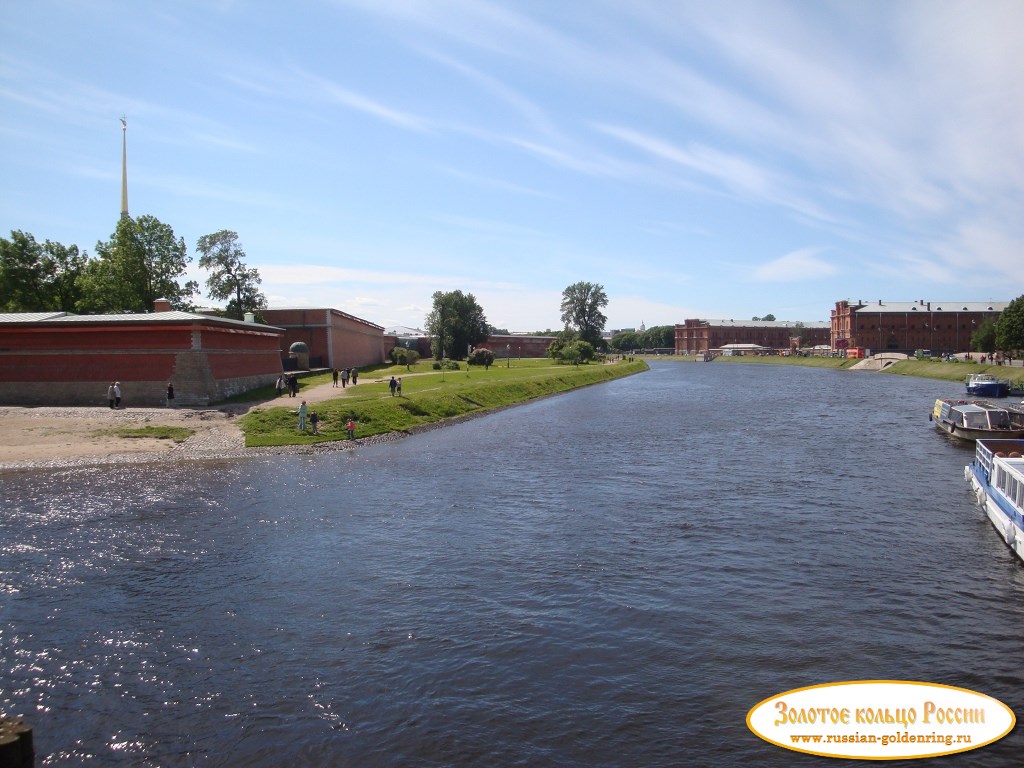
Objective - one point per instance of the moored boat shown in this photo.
(986, 385)
(997, 477)
(978, 419)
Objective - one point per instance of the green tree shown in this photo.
(141, 262)
(455, 323)
(230, 280)
(626, 341)
(984, 339)
(659, 337)
(581, 311)
(570, 350)
(769, 317)
(1010, 327)
(38, 277)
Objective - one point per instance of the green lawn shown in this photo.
(428, 396)
(177, 434)
(931, 369)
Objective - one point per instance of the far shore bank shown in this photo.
(926, 369)
(44, 437)
(53, 437)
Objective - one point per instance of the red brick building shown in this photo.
(906, 326)
(696, 336)
(335, 339)
(518, 345)
(63, 359)
(502, 345)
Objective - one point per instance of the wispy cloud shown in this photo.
(326, 90)
(796, 266)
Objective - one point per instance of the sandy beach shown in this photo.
(51, 436)
(40, 437)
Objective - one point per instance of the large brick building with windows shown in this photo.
(696, 336)
(906, 326)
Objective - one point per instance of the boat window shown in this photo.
(975, 421)
(999, 419)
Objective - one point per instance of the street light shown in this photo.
(508, 356)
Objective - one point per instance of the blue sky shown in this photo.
(697, 159)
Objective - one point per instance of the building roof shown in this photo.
(902, 307)
(28, 317)
(123, 318)
(766, 324)
(403, 330)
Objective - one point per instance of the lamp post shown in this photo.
(508, 356)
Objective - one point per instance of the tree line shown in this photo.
(1005, 333)
(457, 323)
(141, 262)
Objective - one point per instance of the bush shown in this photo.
(445, 365)
(571, 351)
(404, 356)
(481, 356)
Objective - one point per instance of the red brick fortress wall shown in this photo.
(73, 362)
(337, 339)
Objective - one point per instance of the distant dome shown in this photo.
(299, 348)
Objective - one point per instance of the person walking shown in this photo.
(350, 428)
(334, 376)
(303, 410)
(344, 377)
(117, 394)
(355, 376)
(399, 388)
(393, 385)
(170, 394)
(280, 384)
(110, 395)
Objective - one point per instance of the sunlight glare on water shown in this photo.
(609, 577)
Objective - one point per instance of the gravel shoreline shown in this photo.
(217, 437)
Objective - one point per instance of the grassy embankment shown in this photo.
(927, 369)
(428, 396)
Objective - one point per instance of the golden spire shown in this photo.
(124, 168)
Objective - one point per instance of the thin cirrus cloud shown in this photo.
(797, 266)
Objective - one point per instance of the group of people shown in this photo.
(114, 394)
(344, 374)
(396, 386)
(289, 383)
(314, 421)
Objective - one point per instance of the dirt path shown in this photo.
(62, 436)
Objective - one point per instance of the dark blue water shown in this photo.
(611, 577)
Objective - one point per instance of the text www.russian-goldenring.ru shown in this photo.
(885, 740)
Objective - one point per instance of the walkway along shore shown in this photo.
(38, 438)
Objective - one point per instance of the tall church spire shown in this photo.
(124, 168)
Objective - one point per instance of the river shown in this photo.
(610, 577)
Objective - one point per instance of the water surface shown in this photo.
(610, 577)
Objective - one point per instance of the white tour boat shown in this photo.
(997, 476)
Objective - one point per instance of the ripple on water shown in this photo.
(610, 577)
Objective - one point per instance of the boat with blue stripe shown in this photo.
(997, 477)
